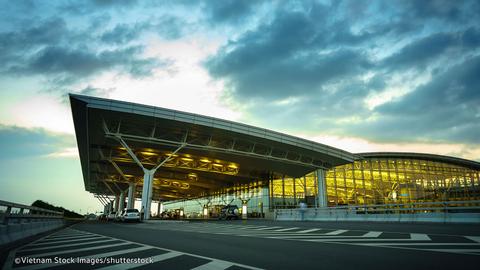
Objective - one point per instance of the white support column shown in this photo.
(121, 205)
(147, 176)
(147, 192)
(160, 208)
(322, 188)
(117, 200)
(265, 199)
(131, 195)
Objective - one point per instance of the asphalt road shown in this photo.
(256, 244)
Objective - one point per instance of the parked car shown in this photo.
(111, 216)
(229, 212)
(130, 215)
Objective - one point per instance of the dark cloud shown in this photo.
(229, 11)
(18, 142)
(293, 76)
(109, 3)
(445, 109)
(289, 56)
(82, 62)
(122, 33)
(320, 63)
(420, 53)
(82, 8)
(50, 48)
(49, 31)
(439, 9)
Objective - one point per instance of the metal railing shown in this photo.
(19, 213)
(447, 206)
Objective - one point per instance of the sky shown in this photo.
(359, 75)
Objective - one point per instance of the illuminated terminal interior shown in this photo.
(368, 181)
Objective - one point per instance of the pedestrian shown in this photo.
(303, 208)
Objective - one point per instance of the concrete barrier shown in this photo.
(13, 232)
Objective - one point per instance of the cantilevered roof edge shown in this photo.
(80, 118)
(423, 156)
(208, 121)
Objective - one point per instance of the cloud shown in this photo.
(122, 33)
(17, 142)
(444, 109)
(290, 56)
(420, 53)
(81, 63)
(320, 64)
(229, 11)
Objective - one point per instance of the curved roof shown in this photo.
(423, 156)
(105, 128)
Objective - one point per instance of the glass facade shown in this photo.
(393, 180)
(368, 181)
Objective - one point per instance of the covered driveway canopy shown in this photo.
(188, 155)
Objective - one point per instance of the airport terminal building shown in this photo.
(193, 165)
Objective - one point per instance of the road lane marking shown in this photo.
(267, 228)
(77, 250)
(67, 235)
(65, 241)
(420, 244)
(419, 237)
(214, 265)
(68, 245)
(372, 234)
(67, 238)
(309, 231)
(474, 238)
(287, 229)
(456, 250)
(337, 232)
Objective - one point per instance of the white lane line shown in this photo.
(101, 255)
(456, 250)
(267, 228)
(77, 250)
(361, 240)
(67, 238)
(419, 237)
(418, 244)
(309, 231)
(214, 265)
(158, 258)
(67, 235)
(69, 245)
(189, 254)
(372, 234)
(337, 232)
(65, 241)
(287, 229)
(473, 238)
(247, 227)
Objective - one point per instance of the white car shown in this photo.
(130, 215)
